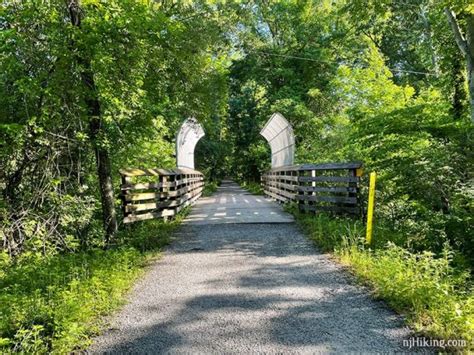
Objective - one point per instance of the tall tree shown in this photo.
(95, 128)
(465, 42)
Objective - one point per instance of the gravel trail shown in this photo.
(248, 284)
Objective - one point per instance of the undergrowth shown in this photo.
(434, 293)
(209, 188)
(55, 304)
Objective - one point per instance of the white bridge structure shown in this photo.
(279, 134)
(188, 136)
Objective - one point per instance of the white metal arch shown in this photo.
(279, 134)
(188, 136)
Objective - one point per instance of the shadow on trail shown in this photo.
(331, 323)
(295, 304)
(259, 240)
(250, 288)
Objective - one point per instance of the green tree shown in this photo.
(465, 42)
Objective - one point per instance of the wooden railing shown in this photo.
(316, 187)
(158, 193)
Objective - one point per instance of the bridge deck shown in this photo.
(245, 288)
(232, 204)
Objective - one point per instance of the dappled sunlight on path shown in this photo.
(248, 287)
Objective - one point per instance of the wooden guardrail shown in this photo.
(158, 193)
(332, 187)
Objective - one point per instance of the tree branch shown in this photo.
(458, 36)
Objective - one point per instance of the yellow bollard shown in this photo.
(370, 208)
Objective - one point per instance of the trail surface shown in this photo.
(241, 278)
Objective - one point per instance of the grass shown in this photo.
(55, 304)
(436, 298)
(209, 188)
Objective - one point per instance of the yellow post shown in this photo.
(370, 208)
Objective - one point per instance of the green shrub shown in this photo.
(437, 299)
(55, 304)
(435, 294)
(209, 188)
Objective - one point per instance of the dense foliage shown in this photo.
(54, 304)
(152, 65)
(355, 87)
(89, 87)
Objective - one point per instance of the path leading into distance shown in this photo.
(241, 278)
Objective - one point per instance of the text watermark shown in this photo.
(422, 342)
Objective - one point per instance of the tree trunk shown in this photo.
(109, 215)
(470, 59)
(96, 132)
(459, 99)
(470, 79)
(429, 35)
(466, 46)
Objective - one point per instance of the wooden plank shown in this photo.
(145, 172)
(327, 189)
(140, 207)
(151, 206)
(322, 166)
(190, 194)
(287, 194)
(334, 199)
(188, 202)
(141, 186)
(282, 178)
(285, 168)
(157, 172)
(187, 181)
(138, 172)
(147, 186)
(353, 173)
(143, 196)
(282, 185)
(331, 166)
(328, 178)
(275, 196)
(185, 189)
(185, 200)
(149, 215)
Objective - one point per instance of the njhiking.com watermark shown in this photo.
(422, 342)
